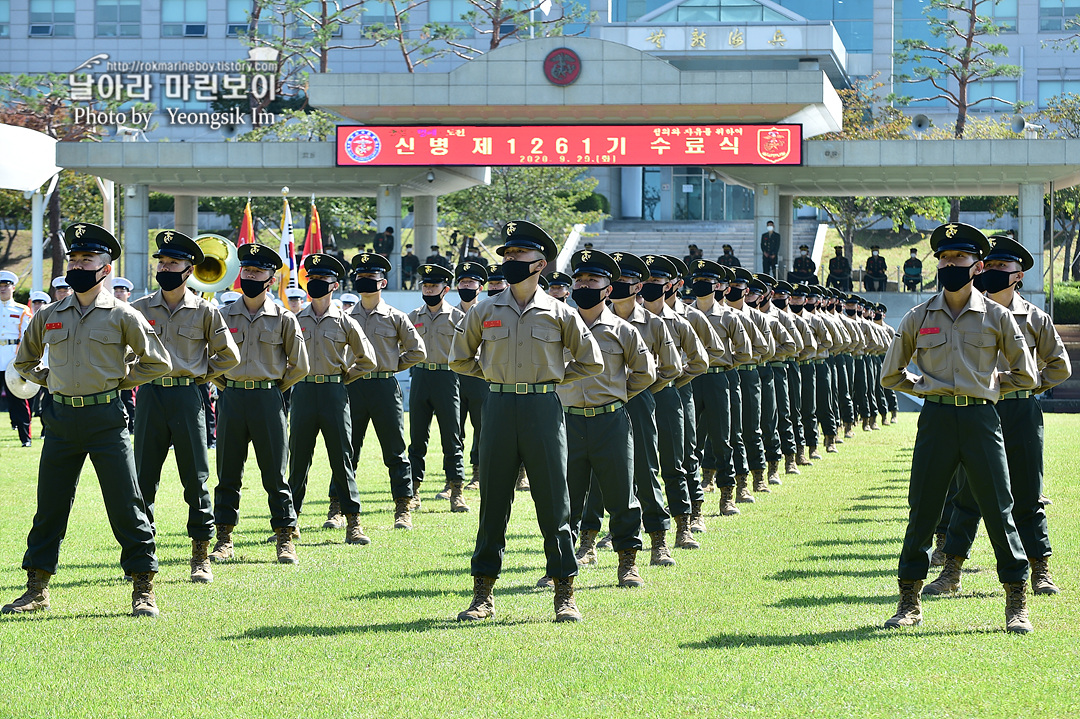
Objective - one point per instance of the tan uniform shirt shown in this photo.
(788, 322)
(959, 357)
(842, 342)
(437, 330)
(732, 343)
(525, 345)
(665, 354)
(396, 342)
(717, 350)
(629, 367)
(271, 345)
(695, 359)
(823, 333)
(759, 345)
(1051, 357)
(806, 332)
(784, 344)
(335, 344)
(195, 334)
(87, 352)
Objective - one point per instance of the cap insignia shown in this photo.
(80, 230)
(950, 231)
(510, 227)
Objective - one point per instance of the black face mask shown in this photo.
(586, 298)
(954, 278)
(253, 288)
(719, 295)
(516, 271)
(702, 288)
(366, 285)
(797, 309)
(83, 280)
(668, 294)
(735, 294)
(850, 313)
(169, 281)
(779, 302)
(318, 288)
(877, 315)
(993, 281)
(620, 291)
(467, 295)
(753, 303)
(492, 293)
(432, 300)
(651, 292)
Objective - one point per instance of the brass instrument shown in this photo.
(219, 268)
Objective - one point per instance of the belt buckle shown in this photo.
(167, 382)
(590, 411)
(521, 388)
(78, 402)
(366, 375)
(958, 403)
(249, 384)
(320, 379)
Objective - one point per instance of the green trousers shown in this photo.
(529, 429)
(690, 447)
(770, 415)
(751, 418)
(735, 409)
(794, 388)
(861, 387)
(472, 392)
(670, 431)
(322, 408)
(809, 403)
(844, 388)
(434, 393)
(174, 416)
(950, 437)
(101, 432)
(785, 431)
(711, 402)
(825, 416)
(380, 402)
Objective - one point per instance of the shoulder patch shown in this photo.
(220, 330)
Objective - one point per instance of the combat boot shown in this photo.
(223, 547)
(286, 550)
(814, 454)
(605, 542)
(474, 483)
(661, 556)
(697, 521)
(892, 417)
(414, 501)
(937, 559)
(200, 562)
(457, 500)
(402, 518)
(774, 472)
(1041, 582)
(684, 538)
(909, 611)
(272, 539)
(143, 601)
(884, 420)
(483, 602)
(742, 492)
(36, 596)
(445, 493)
(354, 533)
(791, 466)
(586, 553)
(1016, 613)
(334, 518)
(628, 573)
(865, 424)
(522, 480)
(849, 430)
(830, 444)
(948, 582)
(545, 582)
(708, 480)
(565, 609)
(727, 502)
(873, 423)
(800, 457)
(760, 485)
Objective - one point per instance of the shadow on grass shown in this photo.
(786, 575)
(867, 520)
(850, 557)
(874, 507)
(857, 634)
(418, 625)
(847, 542)
(826, 601)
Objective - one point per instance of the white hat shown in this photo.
(39, 296)
(227, 298)
(60, 282)
(295, 293)
(8, 276)
(349, 297)
(121, 282)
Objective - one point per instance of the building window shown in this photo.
(5, 18)
(449, 12)
(1052, 88)
(305, 27)
(118, 18)
(52, 18)
(1005, 89)
(238, 19)
(1003, 13)
(720, 11)
(1055, 14)
(183, 18)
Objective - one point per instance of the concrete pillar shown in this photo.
(425, 223)
(785, 225)
(37, 234)
(136, 257)
(766, 207)
(1030, 236)
(107, 188)
(388, 212)
(630, 193)
(186, 215)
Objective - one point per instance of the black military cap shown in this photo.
(804, 247)
(179, 246)
(875, 247)
(836, 293)
(472, 269)
(594, 262)
(756, 285)
(852, 299)
(800, 291)
(961, 237)
(835, 247)
(370, 262)
(495, 273)
(544, 284)
(814, 291)
(631, 265)
(560, 278)
(765, 279)
(84, 237)
(526, 235)
(742, 274)
(727, 274)
(434, 274)
(880, 307)
(706, 268)
(782, 288)
(680, 266)
(726, 248)
(661, 266)
(1006, 248)
(255, 255)
(326, 266)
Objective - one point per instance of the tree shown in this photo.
(295, 126)
(418, 44)
(1062, 115)
(14, 215)
(545, 196)
(500, 20)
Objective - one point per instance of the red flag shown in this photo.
(247, 235)
(312, 243)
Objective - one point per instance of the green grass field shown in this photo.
(777, 615)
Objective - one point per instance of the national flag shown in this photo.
(312, 243)
(247, 235)
(287, 251)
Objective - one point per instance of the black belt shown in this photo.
(87, 400)
(523, 388)
(433, 366)
(322, 378)
(377, 375)
(172, 381)
(1019, 394)
(593, 411)
(959, 401)
(250, 384)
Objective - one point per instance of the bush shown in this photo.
(1067, 303)
(594, 203)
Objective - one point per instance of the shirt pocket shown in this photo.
(336, 340)
(494, 334)
(190, 342)
(105, 348)
(271, 351)
(58, 347)
(980, 348)
(931, 352)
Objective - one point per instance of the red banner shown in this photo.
(586, 145)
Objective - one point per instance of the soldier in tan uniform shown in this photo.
(88, 337)
(970, 352)
(472, 391)
(516, 341)
(171, 410)
(251, 408)
(559, 285)
(801, 330)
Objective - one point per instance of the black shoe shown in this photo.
(26, 443)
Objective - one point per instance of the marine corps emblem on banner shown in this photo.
(774, 144)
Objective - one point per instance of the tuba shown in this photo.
(220, 265)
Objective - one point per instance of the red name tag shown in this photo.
(54, 325)
(234, 330)
(153, 322)
(493, 323)
(930, 330)
(419, 324)
(14, 317)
